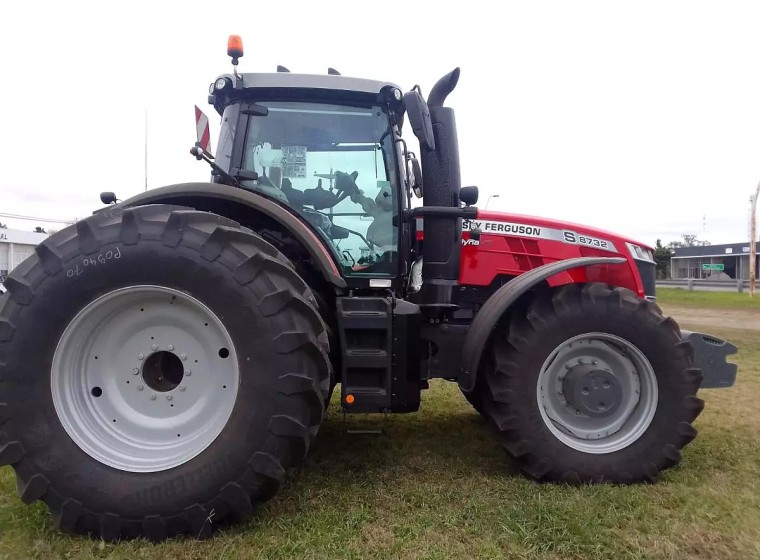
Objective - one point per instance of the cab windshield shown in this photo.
(335, 165)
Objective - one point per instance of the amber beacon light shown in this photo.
(235, 47)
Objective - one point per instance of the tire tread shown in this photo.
(504, 404)
(277, 290)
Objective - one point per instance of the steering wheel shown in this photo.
(345, 183)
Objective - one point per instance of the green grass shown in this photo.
(437, 485)
(697, 298)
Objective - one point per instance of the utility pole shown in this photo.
(489, 200)
(752, 243)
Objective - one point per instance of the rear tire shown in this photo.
(54, 432)
(548, 384)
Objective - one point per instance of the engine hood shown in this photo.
(501, 223)
(513, 244)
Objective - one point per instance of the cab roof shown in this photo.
(314, 83)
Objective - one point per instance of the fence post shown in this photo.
(740, 285)
(690, 284)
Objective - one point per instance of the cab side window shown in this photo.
(335, 166)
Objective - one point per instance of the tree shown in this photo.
(662, 256)
(689, 240)
(38, 229)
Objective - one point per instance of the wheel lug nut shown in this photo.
(170, 347)
(135, 371)
(182, 387)
(169, 397)
(188, 372)
(153, 397)
(141, 356)
(154, 346)
(140, 387)
(577, 411)
(183, 356)
(580, 360)
(594, 362)
(567, 366)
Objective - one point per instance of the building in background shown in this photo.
(717, 262)
(15, 247)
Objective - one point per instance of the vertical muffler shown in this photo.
(440, 168)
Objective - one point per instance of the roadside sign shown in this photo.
(712, 267)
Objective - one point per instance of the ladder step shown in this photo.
(365, 328)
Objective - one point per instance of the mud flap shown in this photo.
(710, 356)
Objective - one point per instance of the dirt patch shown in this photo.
(724, 318)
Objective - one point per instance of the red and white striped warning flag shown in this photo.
(202, 131)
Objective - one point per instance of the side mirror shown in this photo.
(469, 195)
(419, 117)
(414, 171)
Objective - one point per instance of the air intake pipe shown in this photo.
(440, 168)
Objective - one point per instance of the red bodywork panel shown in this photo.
(512, 244)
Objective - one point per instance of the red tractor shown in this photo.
(165, 361)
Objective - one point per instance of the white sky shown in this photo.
(638, 117)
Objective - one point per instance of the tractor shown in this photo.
(165, 361)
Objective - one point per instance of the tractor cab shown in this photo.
(337, 164)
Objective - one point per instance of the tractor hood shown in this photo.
(512, 244)
(501, 223)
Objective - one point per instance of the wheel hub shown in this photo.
(597, 393)
(163, 371)
(592, 391)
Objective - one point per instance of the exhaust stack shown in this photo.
(440, 168)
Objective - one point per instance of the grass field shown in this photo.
(436, 485)
(716, 300)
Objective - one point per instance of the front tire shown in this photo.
(162, 368)
(592, 384)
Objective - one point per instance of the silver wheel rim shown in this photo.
(597, 393)
(144, 378)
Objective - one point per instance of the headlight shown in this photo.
(640, 253)
(221, 83)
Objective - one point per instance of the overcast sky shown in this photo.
(637, 117)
